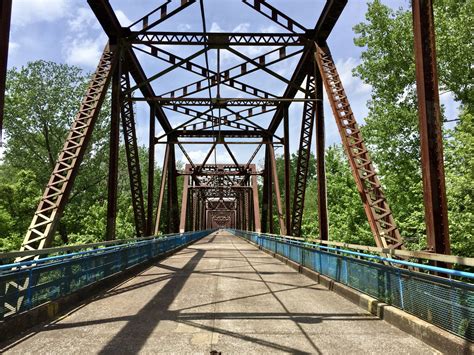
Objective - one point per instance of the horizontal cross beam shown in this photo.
(219, 40)
(221, 133)
(218, 102)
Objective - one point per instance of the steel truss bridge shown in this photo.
(240, 199)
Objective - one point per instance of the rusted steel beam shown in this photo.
(151, 173)
(218, 40)
(51, 206)
(431, 135)
(158, 75)
(265, 196)
(231, 74)
(252, 157)
(210, 121)
(219, 102)
(131, 150)
(287, 160)
(320, 158)
(207, 156)
(253, 205)
(173, 208)
(275, 15)
(5, 18)
(185, 153)
(276, 190)
(304, 154)
(328, 18)
(195, 68)
(263, 67)
(161, 14)
(232, 156)
(184, 200)
(164, 173)
(111, 25)
(139, 76)
(114, 142)
(227, 133)
(232, 119)
(217, 143)
(377, 209)
(108, 20)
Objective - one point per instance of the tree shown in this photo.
(391, 128)
(460, 189)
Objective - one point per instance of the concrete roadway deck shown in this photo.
(221, 294)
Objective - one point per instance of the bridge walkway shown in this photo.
(223, 294)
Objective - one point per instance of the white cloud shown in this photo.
(85, 41)
(82, 21)
(242, 27)
(13, 46)
(198, 156)
(84, 52)
(215, 28)
(25, 12)
(269, 29)
(350, 82)
(184, 27)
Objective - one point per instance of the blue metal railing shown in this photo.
(444, 302)
(27, 284)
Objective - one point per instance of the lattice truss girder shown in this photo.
(302, 166)
(53, 201)
(258, 103)
(376, 206)
(131, 148)
(219, 194)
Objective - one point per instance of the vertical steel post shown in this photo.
(173, 208)
(5, 18)
(184, 200)
(320, 158)
(304, 155)
(195, 210)
(151, 172)
(132, 154)
(255, 202)
(431, 139)
(265, 201)
(113, 155)
(164, 173)
(287, 158)
(276, 189)
(268, 172)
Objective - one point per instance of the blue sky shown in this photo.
(66, 31)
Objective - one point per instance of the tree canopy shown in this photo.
(42, 99)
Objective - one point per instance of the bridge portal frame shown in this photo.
(315, 56)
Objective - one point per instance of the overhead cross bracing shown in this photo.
(225, 90)
(228, 90)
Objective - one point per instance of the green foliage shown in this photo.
(459, 183)
(18, 198)
(42, 99)
(347, 220)
(391, 128)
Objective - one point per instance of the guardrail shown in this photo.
(444, 302)
(25, 285)
(419, 255)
